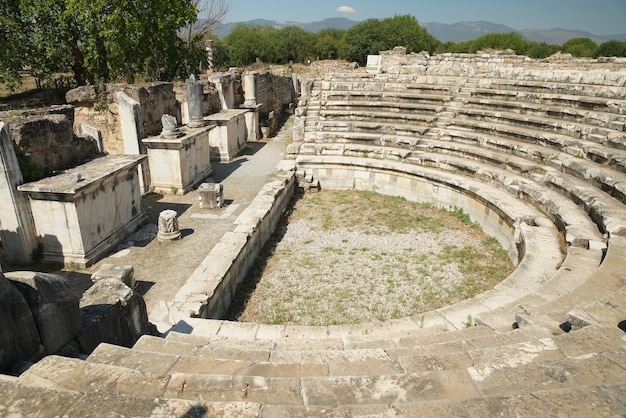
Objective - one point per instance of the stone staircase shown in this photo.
(226, 372)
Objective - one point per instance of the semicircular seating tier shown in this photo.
(534, 151)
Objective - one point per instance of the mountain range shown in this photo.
(455, 32)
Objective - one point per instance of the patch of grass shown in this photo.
(350, 275)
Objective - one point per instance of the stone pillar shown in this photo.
(194, 102)
(249, 89)
(132, 133)
(211, 195)
(224, 85)
(208, 45)
(168, 226)
(252, 117)
(17, 228)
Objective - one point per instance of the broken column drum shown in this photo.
(170, 127)
(194, 102)
(168, 226)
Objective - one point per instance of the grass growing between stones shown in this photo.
(347, 257)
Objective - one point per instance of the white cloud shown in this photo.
(346, 9)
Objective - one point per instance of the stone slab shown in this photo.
(157, 364)
(279, 391)
(81, 376)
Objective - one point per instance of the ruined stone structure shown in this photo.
(45, 314)
(531, 150)
(48, 139)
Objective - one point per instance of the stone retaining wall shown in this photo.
(46, 137)
(212, 286)
(155, 99)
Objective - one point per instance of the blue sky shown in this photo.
(600, 17)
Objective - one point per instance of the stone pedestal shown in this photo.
(230, 135)
(179, 164)
(168, 226)
(252, 121)
(85, 212)
(211, 195)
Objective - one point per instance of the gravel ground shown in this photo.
(350, 257)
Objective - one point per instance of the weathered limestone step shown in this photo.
(606, 400)
(533, 136)
(548, 374)
(578, 92)
(410, 348)
(536, 108)
(327, 356)
(578, 267)
(201, 363)
(609, 311)
(270, 391)
(330, 118)
(591, 340)
(539, 122)
(512, 355)
(608, 279)
(18, 399)
(82, 376)
(160, 345)
(420, 338)
(154, 363)
(393, 389)
(30, 401)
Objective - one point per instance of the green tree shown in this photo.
(14, 40)
(454, 47)
(246, 43)
(499, 41)
(541, 49)
(294, 44)
(372, 36)
(612, 48)
(580, 47)
(102, 40)
(329, 43)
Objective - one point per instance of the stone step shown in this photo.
(579, 266)
(593, 400)
(18, 399)
(149, 362)
(160, 364)
(545, 122)
(533, 136)
(609, 120)
(410, 347)
(330, 117)
(572, 94)
(609, 213)
(608, 311)
(550, 374)
(534, 152)
(57, 372)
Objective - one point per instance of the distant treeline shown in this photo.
(245, 43)
(95, 42)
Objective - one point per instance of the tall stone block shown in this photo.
(17, 228)
(131, 123)
(19, 339)
(194, 101)
(53, 304)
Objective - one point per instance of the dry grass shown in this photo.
(350, 257)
